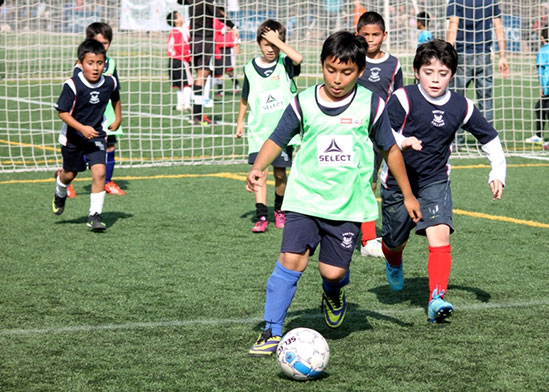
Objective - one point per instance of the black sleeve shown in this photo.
(380, 130)
(245, 88)
(291, 69)
(480, 127)
(288, 126)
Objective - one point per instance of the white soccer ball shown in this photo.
(303, 354)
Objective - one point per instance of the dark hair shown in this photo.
(439, 50)
(423, 18)
(171, 18)
(544, 32)
(370, 18)
(346, 47)
(99, 28)
(271, 24)
(90, 46)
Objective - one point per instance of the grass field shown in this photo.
(170, 297)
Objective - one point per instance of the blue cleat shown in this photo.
(265, 345)
(334, 311)
(395, 276)
(438, 309)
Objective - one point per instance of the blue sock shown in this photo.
(332, 289)
(281, 288)
(110, 166)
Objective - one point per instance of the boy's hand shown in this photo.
(271, 36)
(89, 132)
(412, 206)
(239, 131)
(412, 142)
(496, 187)
(115, 125)
(252, 181)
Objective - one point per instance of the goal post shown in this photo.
(38, 44)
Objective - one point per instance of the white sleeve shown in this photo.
(495, 154)
(399, 138)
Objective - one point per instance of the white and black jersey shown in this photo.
(86, 103)
(435, 122)
(382, 76)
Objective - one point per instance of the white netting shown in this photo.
(38, 49)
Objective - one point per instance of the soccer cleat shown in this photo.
(208, 103)
(58, 204)
(372, 248)
(395, 276)
(113, 189)
(261, 225)
(280, 219)
(535, 139)
(95, 222)
(204, 120)
(265, 345)
(438, 308)
(70, 190)
(334, 311)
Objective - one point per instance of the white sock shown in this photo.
(96, 202)
(187, 96)
(207, 88)
(60, 188)
(180, 99)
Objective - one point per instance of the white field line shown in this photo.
(215, 322)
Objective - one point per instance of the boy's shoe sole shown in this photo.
(438, 309)
(333, 314)
(266, 345)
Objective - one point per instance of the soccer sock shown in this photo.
(96, 202)
(393, 258)
(197, 101)
(278, 202)
(261, 210)
(109, 166)
(368, 230)
(179, 95)
(60, 188)
(187, 96)
(207, 88)
(281, 288)
(438, 267)
(332, 288)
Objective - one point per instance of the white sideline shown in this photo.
(186, 323)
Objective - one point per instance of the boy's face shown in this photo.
(269, 51)
(92, 66)
(374, 36)
(434, 77)
(339, 78)
(106, 43)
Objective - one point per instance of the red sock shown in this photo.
(368, 231)
(438, 267)
(393, 258)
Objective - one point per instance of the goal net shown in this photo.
(38, 44)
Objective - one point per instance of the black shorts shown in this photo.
(337, 239)
(94, 150)
(284, 159)
(435, 201)
(111, 140)
(178, 73)
(378, 158)
(224, 63)
(203, 52)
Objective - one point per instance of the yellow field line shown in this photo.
(502, 218)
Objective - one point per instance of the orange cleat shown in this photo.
(112, 188)
(70, 191)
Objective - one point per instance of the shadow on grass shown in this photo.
(110, 218)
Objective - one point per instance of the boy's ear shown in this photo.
(384, 35)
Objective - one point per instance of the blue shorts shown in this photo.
(284, 159)
(73, 155)
(337, 239)
(435, 201)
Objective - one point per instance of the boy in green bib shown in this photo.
(329, 191)
(267, 89)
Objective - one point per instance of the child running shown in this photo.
(426, 117)
(329, 188)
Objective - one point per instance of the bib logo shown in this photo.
(335, 150)
(347, 240)
(438, 119)
(271, 102)
(94, 97)
(374, 74)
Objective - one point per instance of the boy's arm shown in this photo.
(273, 38)
(503, 68)
(451, 34)
(268, 153)
(496, 178)
(394, 160)
(86, 130)
(241, 114)
(118, 116)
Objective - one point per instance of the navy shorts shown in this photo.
(73, 155)
(435, 201)
(203, 52)
(284, 159)
(111, 140)
(178, 73)
(337, 239)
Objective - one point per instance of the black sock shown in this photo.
(261, 210)
(278, 202)
(197, 107)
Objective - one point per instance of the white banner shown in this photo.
(148, 15)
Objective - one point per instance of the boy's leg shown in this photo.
(261, 205)
(73, 162)
(280, 187)
(110, 186)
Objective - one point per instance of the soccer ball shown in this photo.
(303, 354)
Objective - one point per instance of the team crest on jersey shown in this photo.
(94, 97)
(347, 240)
(335, 150)
(438, 118)
(350, 121)
(374, 74)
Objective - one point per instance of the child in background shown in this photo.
(329, 191)
(179, 53)
(81, 106)
(425, 35)
(542, 105)
(267, 89)
(425, 118)
(226, 47)
(382, 75)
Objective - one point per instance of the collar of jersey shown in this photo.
(90, 85)
(439, 101)
(379, 60)
(333, 105)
